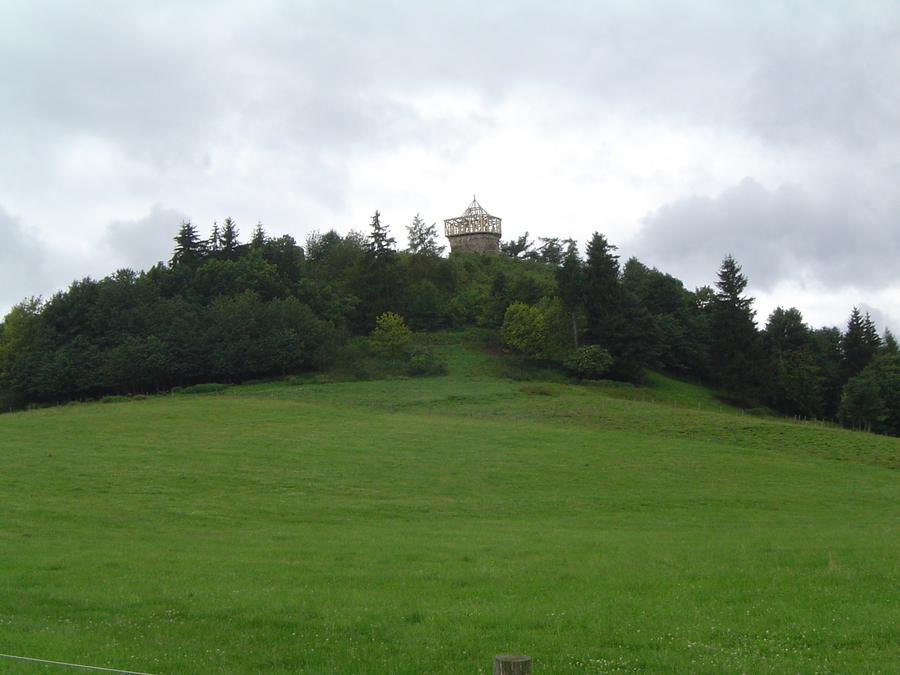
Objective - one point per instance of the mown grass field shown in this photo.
(422, 526)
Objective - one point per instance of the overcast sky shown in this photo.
(684, 131)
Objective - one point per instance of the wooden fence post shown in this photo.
(512, 664)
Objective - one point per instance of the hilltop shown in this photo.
(225, 311)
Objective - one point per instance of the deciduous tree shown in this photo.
(524, 329)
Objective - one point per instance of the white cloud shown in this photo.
(23, 261)
(563, 118)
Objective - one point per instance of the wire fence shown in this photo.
(504, 664)
(71, 665)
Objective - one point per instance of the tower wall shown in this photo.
(486, 243)
(475, 231)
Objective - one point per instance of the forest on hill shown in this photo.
(227, 311)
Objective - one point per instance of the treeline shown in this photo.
(226, 310)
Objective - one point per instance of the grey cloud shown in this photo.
(326, 76)
(806, 74)
(118, 66)
(829, 77)
(140, 244)
(776, 235)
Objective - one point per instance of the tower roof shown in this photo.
(475, 220)
(475, 210)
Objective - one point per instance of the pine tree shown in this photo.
(258, 238)
(380, 241)
(378, 282)
(826, 348)
(859, 344)
(189, 249)
(734, 352)
(785, 333)
(601, 284)
(517, 248)
(551, 251)
(615, 319)
(793, 382)
(214, 243)
(870, 334)
(229, 239)
(423, 238)
(889, 343)
(570, 286)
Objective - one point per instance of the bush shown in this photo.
(589, 362)
(760, 411)
(423, 362)
(391, 335)
(537, 390)
(610, 384)
(209, 388)
(524, 329)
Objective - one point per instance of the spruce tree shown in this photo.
(189, 249)
(601, 286)
(889, 343)
(423, 238)
(785, 333)
(229, 239)
(826, 348)
(258, 239)
(550, 252)
(793, 383)
(615, 319)
(214, 243)
(859, 344)
(517, 248)
(377, 284)
(734, 348)
(381, 243)
(570, 286)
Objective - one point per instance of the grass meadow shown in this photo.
(422, 526)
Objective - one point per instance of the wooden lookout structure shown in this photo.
(475, 230)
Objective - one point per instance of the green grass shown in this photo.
(425, 525)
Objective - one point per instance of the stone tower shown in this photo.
(475, 230)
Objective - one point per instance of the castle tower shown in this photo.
(475, 230)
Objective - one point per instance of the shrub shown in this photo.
(423, 362)
(589, 362)
(208, 388)
(610, 384)
(391, 335)
(524, 329)
(537, 390)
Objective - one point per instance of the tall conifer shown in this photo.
(615, 319)
(734, 351)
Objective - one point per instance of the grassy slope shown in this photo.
(425, 525)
